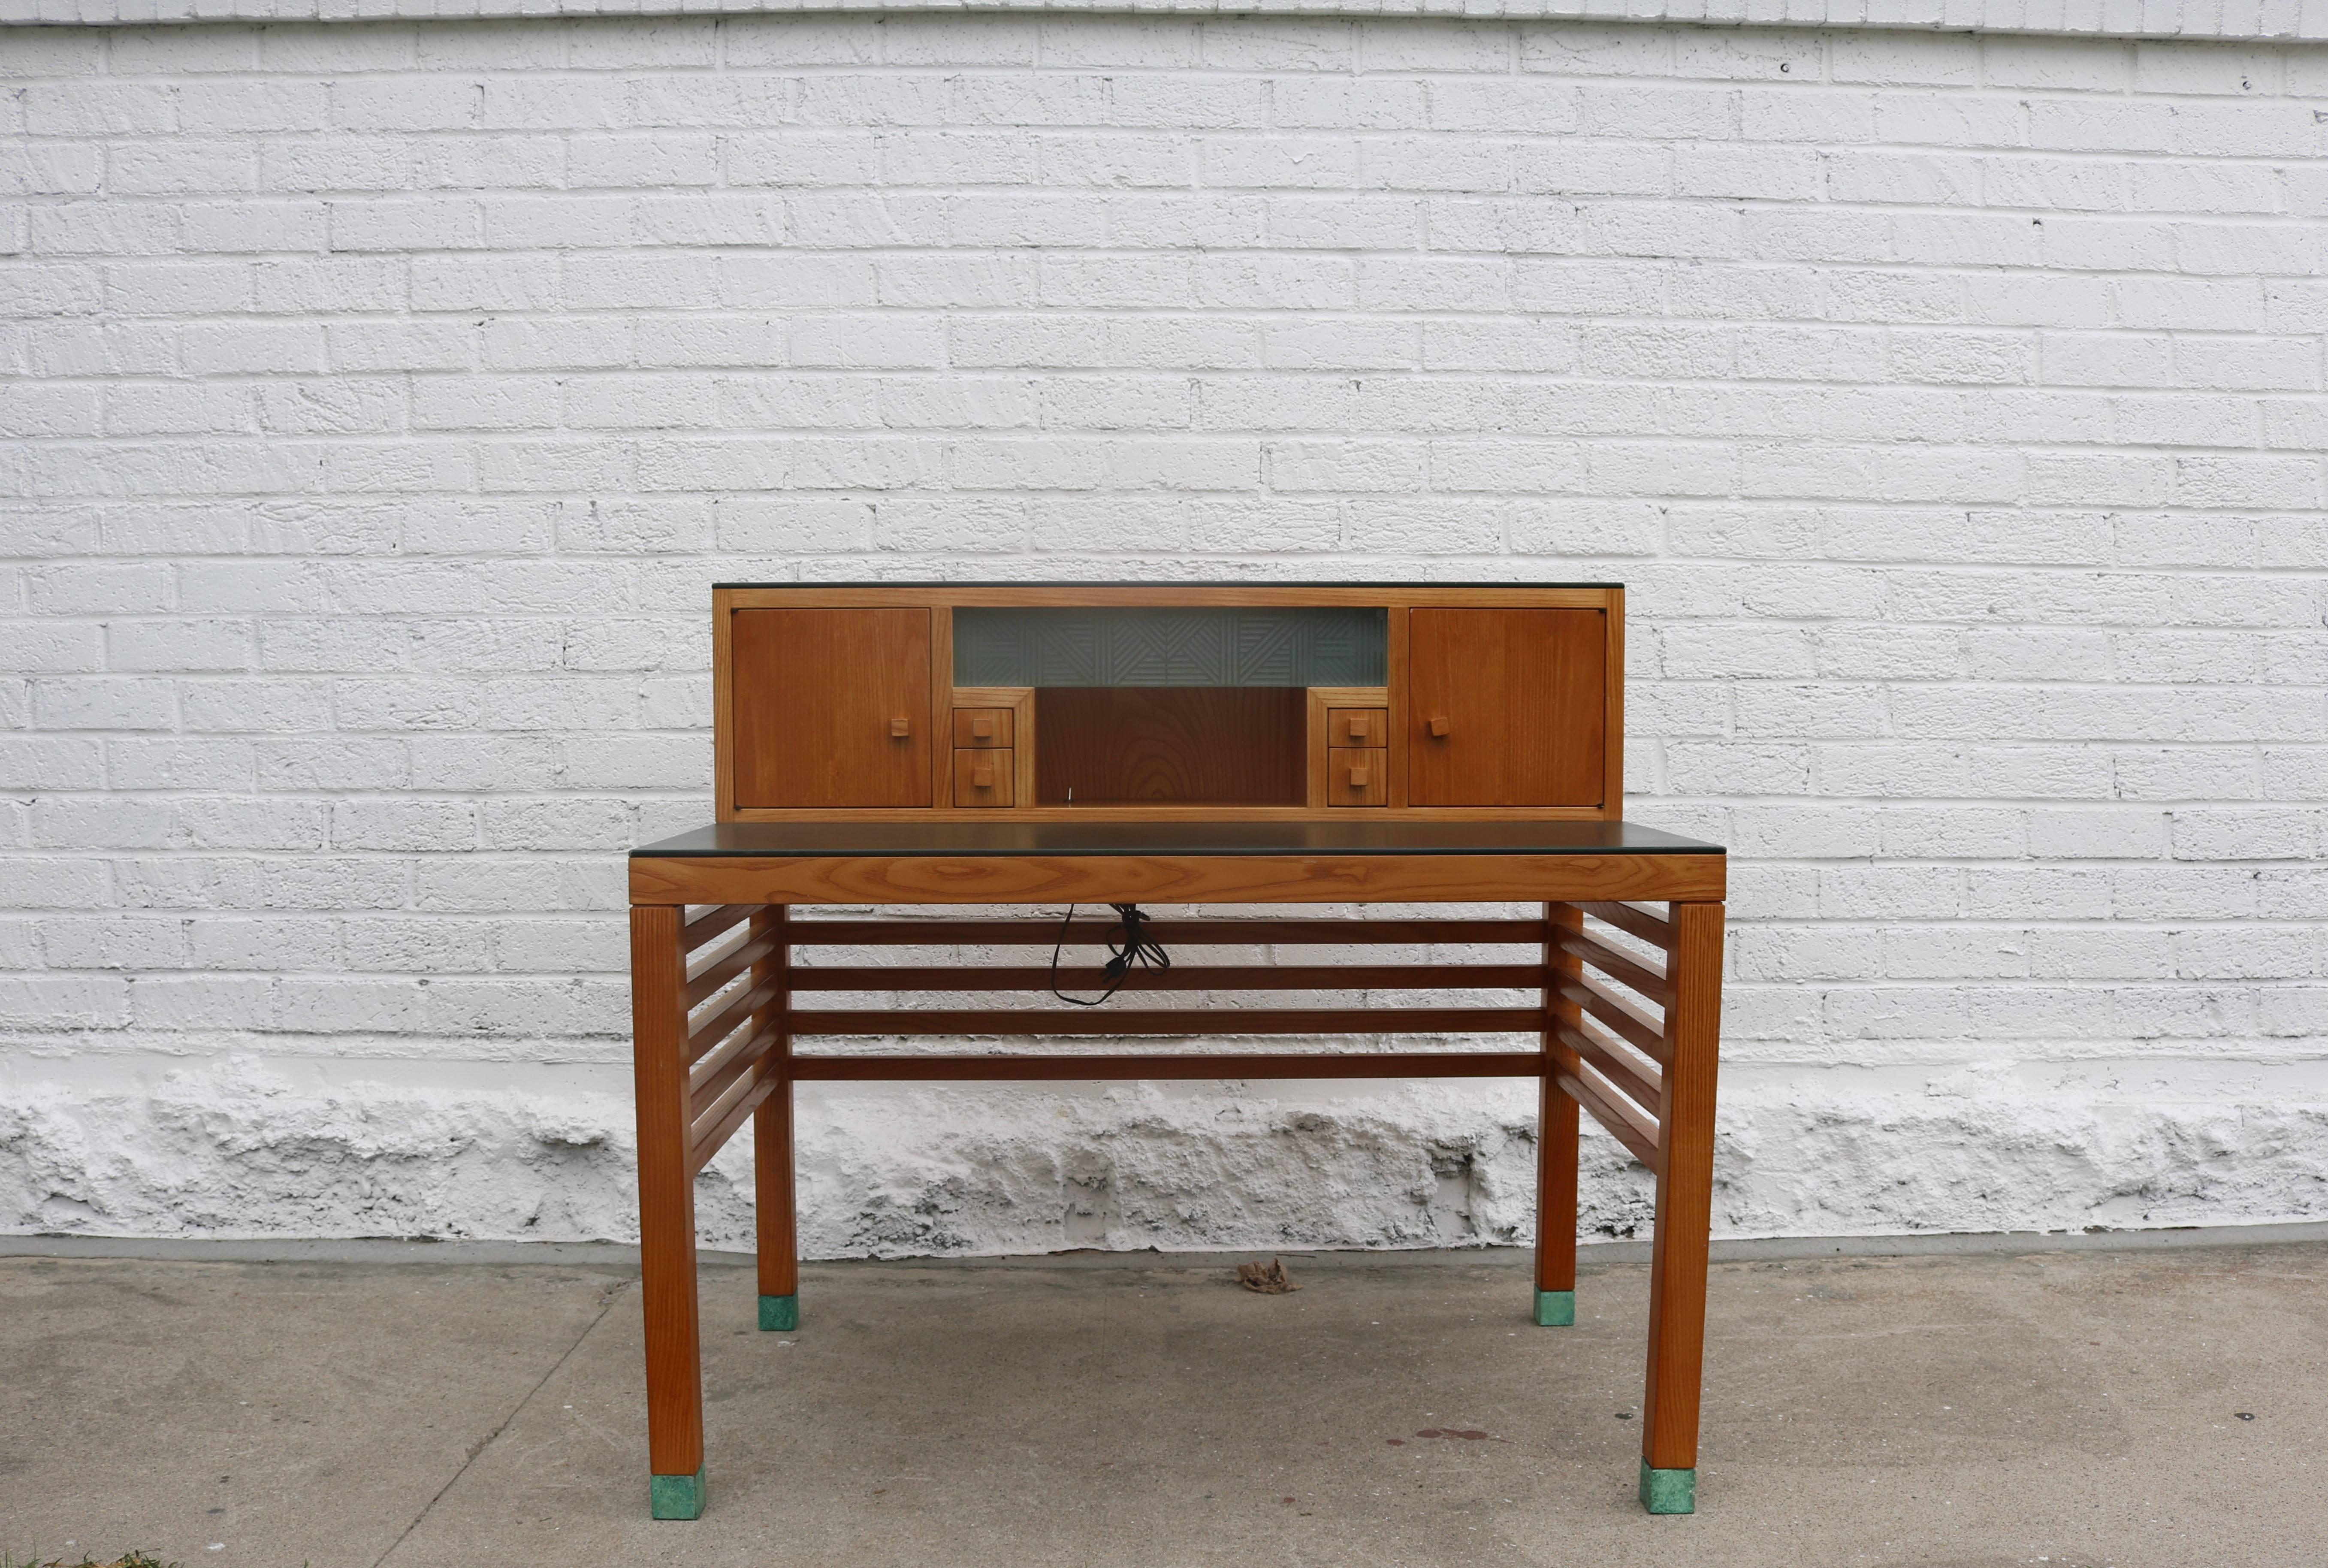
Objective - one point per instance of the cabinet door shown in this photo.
(1506, 708)
(832, 708)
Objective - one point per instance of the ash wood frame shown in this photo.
(941, 601)
(1620, 1035)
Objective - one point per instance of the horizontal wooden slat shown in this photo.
(1639, 1083)
(711, 923)
(735, 1056)
(1180, 977)
(1181, 933)
(1627, 1125)
(707, 1137)
(705, 1115)
(1119, 1067)
(1638, 922)
(1638, 974)
(1624, 1019)
(1110, 1020)
(719, 974)
(702, 1036)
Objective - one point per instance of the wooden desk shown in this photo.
(716, 913)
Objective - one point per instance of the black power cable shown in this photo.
(1136, 948)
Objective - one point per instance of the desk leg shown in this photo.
(666, 1214)
(1692, 1031)
(774, 1203)
(1555, 1142)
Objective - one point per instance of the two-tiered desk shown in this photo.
(1049, 744)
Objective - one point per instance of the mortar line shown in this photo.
(605, 1305)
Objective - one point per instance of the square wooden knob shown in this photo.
(1438, 727)
(901, 727)
(982, 728)
(982, 777)
(1358, 777)
(1358, 727)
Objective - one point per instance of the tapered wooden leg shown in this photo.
(1692, 1031)
(1555, 1143)
(774, 1204)
(666, 1214)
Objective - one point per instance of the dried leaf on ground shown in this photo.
(1268, 1279)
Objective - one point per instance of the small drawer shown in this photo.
(981, 728)
(982, 778)
(1358, 727)
(1355, 776)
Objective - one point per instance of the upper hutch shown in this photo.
(1055, 701)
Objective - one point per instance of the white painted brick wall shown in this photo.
(381, 401)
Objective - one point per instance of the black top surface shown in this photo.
(1053, 583)
(960, 838)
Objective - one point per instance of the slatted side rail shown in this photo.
(735, 1021)
(1606, 1052)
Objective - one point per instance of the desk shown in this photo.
(1619, 1031)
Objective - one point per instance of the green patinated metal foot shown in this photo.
(1555, 1309)
(1668, 1491)
(779, 1314)
(676, 1497)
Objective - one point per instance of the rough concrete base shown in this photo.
(170, 1145)
(2087, 1408)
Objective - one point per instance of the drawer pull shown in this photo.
(1438, 727)
(983, 778)
(982, 728)
(900, 728)
(1363, 727)
(1355, 776)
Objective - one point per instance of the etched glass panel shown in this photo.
(1234, 646)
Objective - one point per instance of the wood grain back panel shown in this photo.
(1230, 746)
(816, 695)
(1506, 707)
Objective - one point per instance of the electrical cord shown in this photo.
(1136, 948)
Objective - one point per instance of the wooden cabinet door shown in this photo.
(832, 708)
(1506, 708)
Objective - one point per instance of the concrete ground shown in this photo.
(2158, 1407)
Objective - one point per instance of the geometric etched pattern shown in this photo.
(1284, 646)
